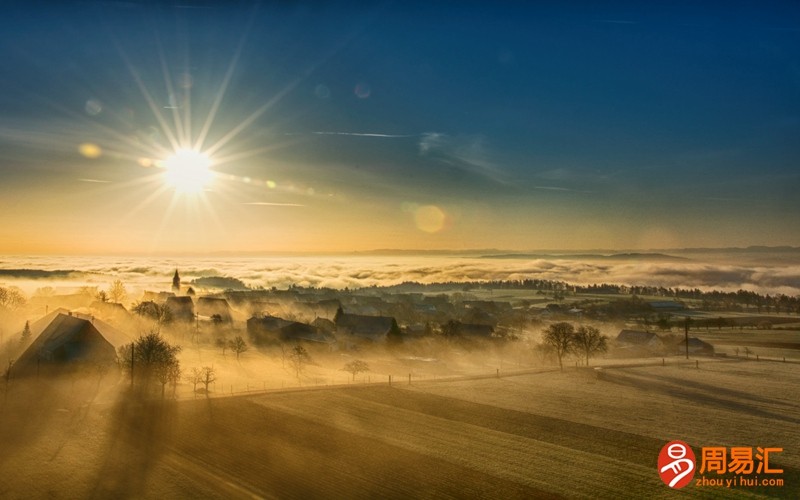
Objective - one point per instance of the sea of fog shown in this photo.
(762, 272)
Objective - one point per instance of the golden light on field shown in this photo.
(188, 171)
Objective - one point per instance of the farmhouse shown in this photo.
(638, 338)
(301, 332)
(262, 329)
(181, 308)
(69, 341)
(157, 297)
(212, 306)
(371, 328)
(111, 311)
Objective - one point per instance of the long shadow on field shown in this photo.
(276, 454)
(137, 434)
(698, 392)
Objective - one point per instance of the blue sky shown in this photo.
(350, 126)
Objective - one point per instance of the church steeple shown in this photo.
(176, 282)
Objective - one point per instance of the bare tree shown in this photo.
(117, 292)
(355, 367)
(588, 341)
(299, 358)
(194, 377)
(559, 336)
(169, 371)
(11, 298)
(238, 345)
(208, 376)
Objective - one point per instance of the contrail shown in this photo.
(94, 180)
(365, 134)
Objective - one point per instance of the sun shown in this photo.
(188, 171)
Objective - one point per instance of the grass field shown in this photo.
(583, 433)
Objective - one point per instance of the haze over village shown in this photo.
(280, 250)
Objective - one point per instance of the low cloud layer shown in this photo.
(353, 272)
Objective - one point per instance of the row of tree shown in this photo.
(563, 339)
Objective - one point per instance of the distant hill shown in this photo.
(589, 256)
(36, 274)
(222, 282)
(750, 249)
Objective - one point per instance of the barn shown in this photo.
(67, 342)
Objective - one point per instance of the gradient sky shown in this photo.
(414, 125)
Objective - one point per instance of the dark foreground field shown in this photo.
(520, 437)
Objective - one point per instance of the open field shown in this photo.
(581, 433)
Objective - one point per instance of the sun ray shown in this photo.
(212, 114)
(242, 155)
(183, 140)
(253, 117)
(149, 99)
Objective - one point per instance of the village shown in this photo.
(55, 334)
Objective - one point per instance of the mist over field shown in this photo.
(399, 250)
(759, 271)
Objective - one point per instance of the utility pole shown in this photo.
(686, 335)
(133, 356)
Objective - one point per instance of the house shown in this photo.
(480, 317)
(69, 341)
(157, 297)
(263, 329)
(696, 346)
(301, 332)
(181, 308)
(370, 328)
(326, 308)
(638, 338)
(212, 306)
(325, 325)
(111, 311)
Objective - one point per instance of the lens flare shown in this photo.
(430, 218)
(90, 150)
